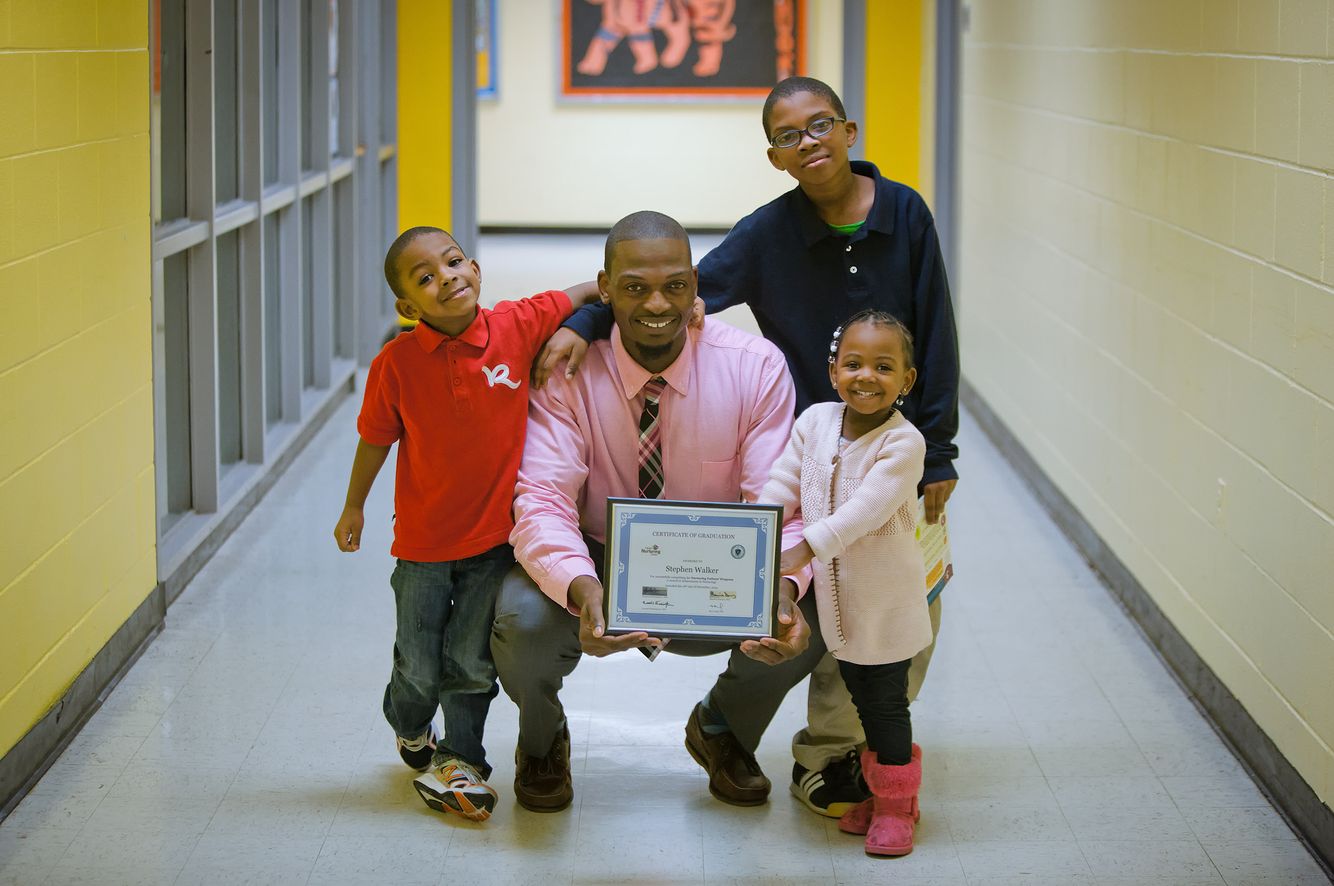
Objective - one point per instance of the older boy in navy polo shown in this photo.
(844, 239)
(453, 394)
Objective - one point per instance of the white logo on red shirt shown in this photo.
(500, 375)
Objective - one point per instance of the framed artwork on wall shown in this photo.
(665, 50)
(484, 45)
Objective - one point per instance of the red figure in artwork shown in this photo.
(634, 21)
(711, 25)
(785, 33)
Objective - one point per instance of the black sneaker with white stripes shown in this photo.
(833, 790)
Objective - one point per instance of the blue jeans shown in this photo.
(442, 654)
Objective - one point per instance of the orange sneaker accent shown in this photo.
(455, 787)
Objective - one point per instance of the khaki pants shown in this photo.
(832, 725)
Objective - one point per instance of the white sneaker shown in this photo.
(454, 786)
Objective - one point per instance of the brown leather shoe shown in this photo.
(542, 784)
(734, 775)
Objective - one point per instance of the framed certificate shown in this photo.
(701, 570)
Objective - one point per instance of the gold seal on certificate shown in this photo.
(704, 570)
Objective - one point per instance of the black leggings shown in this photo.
(880, 693)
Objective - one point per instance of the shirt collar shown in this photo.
(632, 376)
(476, 334)
(880, 218)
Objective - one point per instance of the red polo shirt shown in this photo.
(458, 409)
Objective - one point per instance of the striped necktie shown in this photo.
(650, 441)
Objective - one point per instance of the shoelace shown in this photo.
(459, 773)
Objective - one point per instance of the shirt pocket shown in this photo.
(719, 481)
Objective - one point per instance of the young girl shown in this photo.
(852, 469)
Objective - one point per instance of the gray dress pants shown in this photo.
(536, 646)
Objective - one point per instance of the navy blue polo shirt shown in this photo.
(801, 280)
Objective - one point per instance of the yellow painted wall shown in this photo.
(891, 132)
(1147, 300)
(76, 410)
(424, 108)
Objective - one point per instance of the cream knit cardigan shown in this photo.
(860, 511)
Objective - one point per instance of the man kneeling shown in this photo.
(659, 410)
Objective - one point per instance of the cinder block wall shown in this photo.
(76, 410)
(1146, 302)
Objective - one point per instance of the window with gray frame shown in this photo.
(274, 181)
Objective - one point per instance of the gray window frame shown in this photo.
(350, 311)
(951, 22)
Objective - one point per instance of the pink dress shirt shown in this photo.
(725, 417)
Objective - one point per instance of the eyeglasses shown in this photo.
(816, 129)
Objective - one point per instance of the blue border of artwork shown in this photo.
(493, 57)
(752, 625)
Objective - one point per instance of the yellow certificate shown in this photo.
(935, 543)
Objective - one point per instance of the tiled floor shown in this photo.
(247, 746)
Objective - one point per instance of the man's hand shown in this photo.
(935, 495)
(697, 314)
(796, 558)
(791, 636)
(565, 344)
(348, 531)
(586, 595)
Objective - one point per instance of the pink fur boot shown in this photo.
(894, 795)
(857, 820)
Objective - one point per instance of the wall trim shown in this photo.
(25, 763)
(1294, 799)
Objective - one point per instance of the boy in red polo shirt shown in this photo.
(453, 394)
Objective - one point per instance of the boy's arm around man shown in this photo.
(370, 456)
(742, 270)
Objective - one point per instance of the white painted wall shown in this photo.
(544, 162)
(1147, 301)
